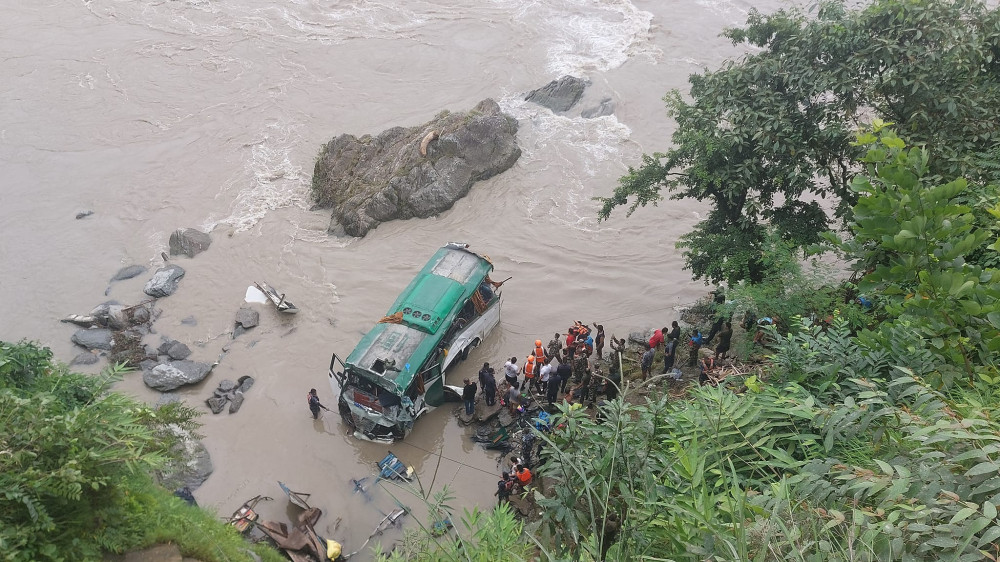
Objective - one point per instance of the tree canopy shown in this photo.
(767, 139)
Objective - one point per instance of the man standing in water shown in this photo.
(314, 403)
(469, 396)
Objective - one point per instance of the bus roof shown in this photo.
(428, 306)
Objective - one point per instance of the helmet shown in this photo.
(538, 343)
(531, 359)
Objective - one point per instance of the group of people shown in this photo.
(573, 366)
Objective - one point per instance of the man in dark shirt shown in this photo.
(489, 383)
(564, 372)
(469, 396)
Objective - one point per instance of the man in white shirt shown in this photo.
(543, 376)
(511, 370)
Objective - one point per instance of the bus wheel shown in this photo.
(468, 348)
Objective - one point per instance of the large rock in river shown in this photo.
(168, 376)
(559, 95)
(164, 281)
(412, 172)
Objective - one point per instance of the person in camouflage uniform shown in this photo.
(594, 388)
(554, 348)
(580, 367)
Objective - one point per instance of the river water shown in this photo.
(166, 114)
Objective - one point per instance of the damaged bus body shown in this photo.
(396, 372)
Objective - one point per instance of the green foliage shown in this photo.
(75, 461)
(493, 535)
(761, 134)
(913, 240)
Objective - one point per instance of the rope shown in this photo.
(458, 462)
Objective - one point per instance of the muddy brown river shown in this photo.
(166, 114)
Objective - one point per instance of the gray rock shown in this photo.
(217, 403)
(94, 338)
(238, 331)
(140, 315)
(167, 398)
(189, 242)
(148, 364)
(559, 95)
(235, 402)
(85, 358)
(164, 281)
(247, 317)
(244, 383)
(189, 321)
(128, 272)
(178, 351)
(110, 315)
(227, 385)
(195, 467)
(168, 376)
(606, 107)
(408, 173)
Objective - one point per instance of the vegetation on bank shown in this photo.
(75, 469)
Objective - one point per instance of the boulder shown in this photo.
(559, 95)
(226, 386)
(606, 107)
(195, 467)
(414, 172)
(247, 317)
(85, 358)
(94, 338)
(217, 403)
(128, 272)
(235, 402)
(164, 281)
(178, 351)
(168, 376)
(189, 242)
(110, 315)
(244, 383)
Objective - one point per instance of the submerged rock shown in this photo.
(164, 282)
(559, 95)
(606, 107)
(189, 242)
(414, 172)
(247, 317)
(85, 358)
(128, 272)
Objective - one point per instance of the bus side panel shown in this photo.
(434, 386)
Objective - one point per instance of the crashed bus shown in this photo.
(396, 373)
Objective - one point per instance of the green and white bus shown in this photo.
(396, 373)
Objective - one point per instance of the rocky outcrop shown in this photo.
(189, 242)
(164, 281)
(559, 95)
(168, 376)
(414, 172)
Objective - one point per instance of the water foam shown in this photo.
(587, 35)
(271, 180)
(584, 150)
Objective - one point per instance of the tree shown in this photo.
(912, 239)
(765, 137)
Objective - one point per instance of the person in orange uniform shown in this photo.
(540, 359)
(530, 369)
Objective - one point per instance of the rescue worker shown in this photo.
(580, 367)
(555, 347)
(530, 369)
